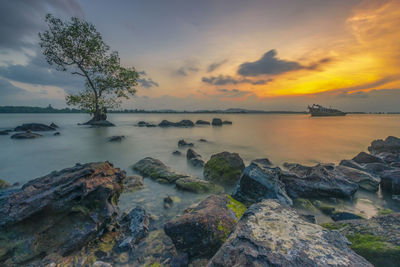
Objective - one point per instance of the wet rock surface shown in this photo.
(116, 138)
(224, 168)
(26, 135)
(38, 127)
(204, 228)
(322, 180)
(58, 213)
(182, 123)
(365, 180)
(269, 234)
(145, 124)
(194, 158)
(257, 183)
(183, 143)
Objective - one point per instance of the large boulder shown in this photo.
(365, 180)
(376, 239)
(224, 168)
(390, 144)
(58, 213)
(322, 180)
(34, 127)
(156, 170)
(194, 158)
(201, 230)
(363, 157)
(258, 183)
(270, 234)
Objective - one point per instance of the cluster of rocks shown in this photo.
(184, 123)
(27, 130)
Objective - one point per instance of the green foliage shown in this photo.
(77, 46)
(375, 249)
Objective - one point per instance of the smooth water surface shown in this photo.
(281, 138)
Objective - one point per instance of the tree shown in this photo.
(78, 47)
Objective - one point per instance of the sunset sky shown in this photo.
(217, 54)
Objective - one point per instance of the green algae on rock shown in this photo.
(197, 185)
(224, 168)
(4, 184)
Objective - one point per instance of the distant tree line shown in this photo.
(28, 109)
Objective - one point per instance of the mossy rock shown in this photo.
(198, 186)
(304, 204)
(375, 249)
(238, 208)
(224, 168)
(4, 184)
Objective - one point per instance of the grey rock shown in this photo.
(263, 162)
(391, 181)
(216, 122)
(201, 122)
(390, 144)
(26, 135)
(182, 123)
(34, 127)
(116, 138)
(136, 223)
(227, 122)
(365, 180)
(176, 153)
(183, 143)
(194, 158)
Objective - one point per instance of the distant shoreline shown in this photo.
(50, 109)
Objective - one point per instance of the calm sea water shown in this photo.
(281, 138)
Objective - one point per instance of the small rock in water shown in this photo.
(56, 133)
(203, 140)
(168, 201)
(54, 125)
(216, 122)
(133, 183)
(182, 143)
(26, 135)
(224, 168)
(176, 153)
(34, 127)
(194, 158)
(116, 138)
(201, 122)
(227, 122)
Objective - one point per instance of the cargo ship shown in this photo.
(320, 111)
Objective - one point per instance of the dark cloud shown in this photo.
(269, 64)
(233, 92)
(184, 71)
(223, 80)
(21, 20)
(216, 65)
(146, 82)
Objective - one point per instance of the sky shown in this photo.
(218, 54)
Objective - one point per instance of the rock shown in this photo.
(180, 260)
(156, 170)
(116, 138)
(133, 183)
(322, 180)
(363, 157)
(5, 132)
(216, 122)
(258, 183)
(325, 208)
(176, 153)
(54, 125)
(56, 133)
(4, 184)
(99, 123)
(197, 185)
(391, 181)
(344, 215)
(26, 135)
(38, 127)
(201, 122)
(270, 234)
(136, 223)
(264, 162)
(101, 264)
(224, 168)
(377, 239)
(58, 213)
(183, 143)
(203, 140)
(168, 202)
(194, 158)
(227, 122)
(182, 123)
(372, 168)
(365, 180)
(201, 230)
(145, 124)
(308, 218)
(391, 145)
(389, 158)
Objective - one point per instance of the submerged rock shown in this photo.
(58, 213)
(54, 125)
(376, 239)
(116, 138)
(56, 133)
(145, 124)
(38, 127)
(201, 122)
(270, 234)
(224, 168)
(391, 145)
(201, 230)
(322, 180)
(197, 185)
(216, 122)
(26, 135)
(183, 143)
(5, 132)
(203, 140)
(363, 179)
(133, 183)
(257, 183)
(156, 170)
(194, 158)
(176, 153)
(227, 122)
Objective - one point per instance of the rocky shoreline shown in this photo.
(71, 217)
